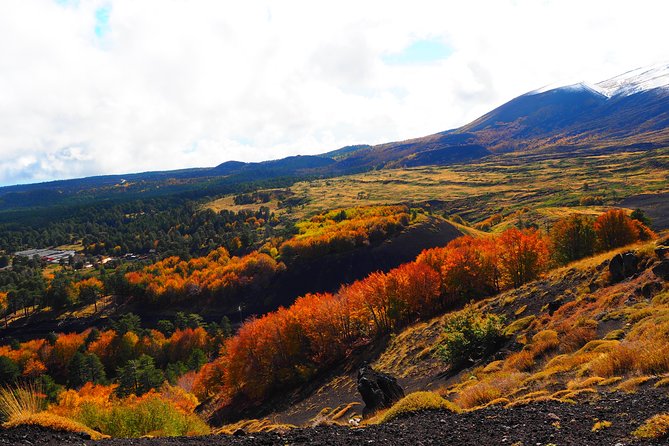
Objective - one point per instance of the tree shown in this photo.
(165, 327)
(226, 327)
(640, 215)
(62, 292)
(86, 367)
(523, 255)
(9, 371)
(573, 238)
(90, 290)
(614, 229)
(139, 376)
(127, 322)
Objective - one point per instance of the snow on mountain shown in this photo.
(635, 81)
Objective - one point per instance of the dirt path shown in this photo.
(542, 423)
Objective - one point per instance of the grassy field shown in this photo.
(505, 184)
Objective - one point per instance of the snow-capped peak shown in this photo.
(635, 81)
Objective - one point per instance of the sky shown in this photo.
(91, 87)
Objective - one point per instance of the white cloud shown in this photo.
(173, 83)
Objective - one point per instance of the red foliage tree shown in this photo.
(523, 255)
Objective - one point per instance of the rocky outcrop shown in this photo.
(623, 266)
(661, 270)
(378, 390)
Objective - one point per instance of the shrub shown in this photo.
(415, 402)
(150, 416)
(614, 229)
(470, 336)
(573, 238)
(654, 428)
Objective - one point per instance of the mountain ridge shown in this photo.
(627, 111)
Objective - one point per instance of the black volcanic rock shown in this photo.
(662, 269)
(378, 390)
(623, 265)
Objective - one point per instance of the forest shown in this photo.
(180, 362)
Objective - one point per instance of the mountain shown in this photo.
(630, 111)
(626, 112)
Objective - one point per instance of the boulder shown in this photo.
(622, 266)
(378, 390)
(649, 289)
(661, 252)
(661, 270)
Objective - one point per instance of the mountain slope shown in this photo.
(630, 111)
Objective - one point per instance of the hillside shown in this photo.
(606, 312)
(509, 272)
(567, 327)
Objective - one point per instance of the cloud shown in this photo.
(111, 86)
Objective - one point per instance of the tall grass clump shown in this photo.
(415, 402)
(655, 427)
(21, 400)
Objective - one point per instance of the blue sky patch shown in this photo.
(102, 20)
(420, 52)
(67, 3)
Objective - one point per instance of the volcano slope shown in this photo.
(540, 423)
(584, 362)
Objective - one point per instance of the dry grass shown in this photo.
(328, 416)
(519, 325)
(21, 401)
(253, 426)
(490, 388)
(655, 427)
(618, 361)
(52, 421)
(510, 185)
(610, 381)
(522, 361)
(576, 384)
(632, 384)
(414, 402)
(600, 425)
(24, 405)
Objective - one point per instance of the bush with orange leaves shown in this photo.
(615, 228)
(523, 256)
(468, 268)
(169, 412)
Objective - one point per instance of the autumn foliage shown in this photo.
(166, 412)
(215, 275)
(292, 344)
(342, 230)
(615, 228)
(577, 236)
